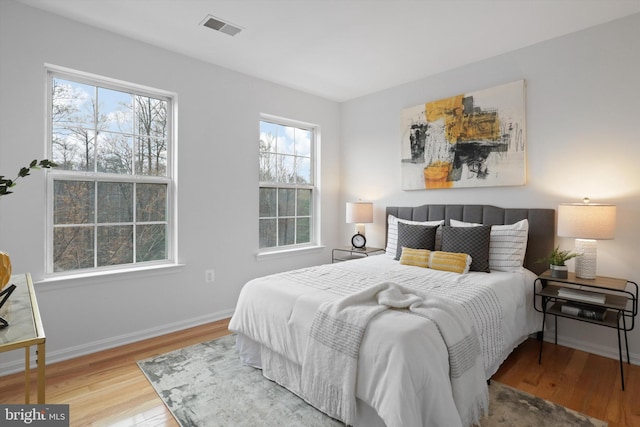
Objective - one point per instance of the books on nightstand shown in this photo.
(586, 296)
(584, 310)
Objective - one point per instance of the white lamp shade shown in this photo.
(587, 221)
(359, 212)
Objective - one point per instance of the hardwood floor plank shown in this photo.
(578, 380)
(108, 389)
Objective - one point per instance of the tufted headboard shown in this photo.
(541, 224)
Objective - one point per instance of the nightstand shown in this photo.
(604, 301)
(348, 253)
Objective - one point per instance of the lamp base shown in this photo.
(586, 261)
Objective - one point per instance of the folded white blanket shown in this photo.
(331, 356)
(330, 363)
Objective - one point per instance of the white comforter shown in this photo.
(403, 370)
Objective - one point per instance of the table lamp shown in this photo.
(360, 213)
(587, 222)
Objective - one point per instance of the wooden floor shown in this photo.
(108, 388)
(581, 381)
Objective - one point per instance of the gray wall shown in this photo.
(583, 140)
(217, 172)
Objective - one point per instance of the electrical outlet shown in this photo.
(209, 276)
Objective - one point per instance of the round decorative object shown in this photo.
(358, 241)
(5, 269)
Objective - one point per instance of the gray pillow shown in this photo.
(415, 237)
(473, 241)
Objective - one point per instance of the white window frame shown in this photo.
(314, 231)
(58, 174)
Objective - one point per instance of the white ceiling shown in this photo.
(343, 49)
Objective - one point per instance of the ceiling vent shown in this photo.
(220, 25)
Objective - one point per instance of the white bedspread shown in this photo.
(403, 366)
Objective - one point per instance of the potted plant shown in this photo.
(556, 261)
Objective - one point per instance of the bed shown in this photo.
(384, 341)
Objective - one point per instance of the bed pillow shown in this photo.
(437, 260)
(416, 257)
(415, 236)
(392, 232)
(508, 244)
(450, 261)
(469, 240)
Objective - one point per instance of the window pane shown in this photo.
(73, 202)
(115, 202)
(267, 231)
(303, 230)
(286, 202)
(115, 110)
(151, 202)
(115, 245)
(286, 231)
(73, 103)
(72, 248)
(286, 169)
(268, 134)
(151, 117)
(268, 202)
(73, 148)
(151, 242)
(285, 140)
(303, 142)
(268, 170)
(303, 170)
(115, 153)
(151, 156)
(304, 203)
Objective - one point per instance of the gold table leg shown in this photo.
(27, 374)
(41, 376)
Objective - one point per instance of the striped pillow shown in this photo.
(507, 246)
(417, 257)
(392, 233)
(450, 261)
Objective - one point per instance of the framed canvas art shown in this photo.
(475, 139)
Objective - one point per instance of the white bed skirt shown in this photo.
(286, 373)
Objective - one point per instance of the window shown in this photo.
(287, 191)
(111, 196)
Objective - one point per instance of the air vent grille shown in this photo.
(222, 26)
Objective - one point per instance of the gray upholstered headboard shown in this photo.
(541, 224)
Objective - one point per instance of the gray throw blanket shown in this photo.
(329, 368)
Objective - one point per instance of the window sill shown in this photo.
(82, 279)
(283, 253)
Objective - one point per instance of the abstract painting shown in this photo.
(470, 140)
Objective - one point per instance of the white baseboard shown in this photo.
(17, 365)
(600, 350)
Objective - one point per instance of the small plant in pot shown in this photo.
(556, 261)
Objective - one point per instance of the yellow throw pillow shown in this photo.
(417, 257)
(450, 261)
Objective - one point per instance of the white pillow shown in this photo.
(507, 246)
(392, 232)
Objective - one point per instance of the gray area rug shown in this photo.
(206, 385)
